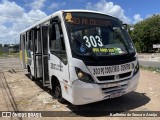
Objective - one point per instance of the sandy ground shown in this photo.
(19, 93)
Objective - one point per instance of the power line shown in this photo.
(24, 2)
(17, 17)
(44, 6)
(16, 36)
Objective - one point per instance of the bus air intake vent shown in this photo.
(124, 75)
(104, 78)
(112, 77)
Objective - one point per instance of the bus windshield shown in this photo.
(97, 34)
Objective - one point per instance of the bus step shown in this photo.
(46, 83)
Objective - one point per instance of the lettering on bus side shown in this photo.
(57, 67)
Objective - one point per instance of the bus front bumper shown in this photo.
(84, 93)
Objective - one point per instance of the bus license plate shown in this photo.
(113, 95)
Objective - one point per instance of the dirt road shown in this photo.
(19, 93)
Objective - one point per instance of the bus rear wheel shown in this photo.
(30, 75)
(58, 93)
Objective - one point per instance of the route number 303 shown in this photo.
(93, 41)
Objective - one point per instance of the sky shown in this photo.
(17, 15)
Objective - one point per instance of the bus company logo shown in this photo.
(68, 17)
(116, 77)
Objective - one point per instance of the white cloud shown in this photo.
(110, 9)
(137, 18)
(35, 14)
(53, 6)
(8, 9)
(11, 8)
(57, 5)
(3, 29)
(10, 28)
(37, 4)
(148, 16)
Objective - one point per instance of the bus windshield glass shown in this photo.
(97, 34)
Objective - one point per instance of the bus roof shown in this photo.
(58, 13)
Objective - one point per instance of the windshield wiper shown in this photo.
(121, 39)
(86, 47)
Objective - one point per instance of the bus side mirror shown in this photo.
(54, 21)
(125, 26)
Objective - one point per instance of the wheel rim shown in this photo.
(58, 92)
(30, 75)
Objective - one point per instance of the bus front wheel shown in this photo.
(30, 74)
(58, 93)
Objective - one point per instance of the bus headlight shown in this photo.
(136, 69)
(80, 74)
(85, 77)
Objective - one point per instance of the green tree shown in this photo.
(146, 33)
(6, 45)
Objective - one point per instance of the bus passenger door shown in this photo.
(58, 63)
(44, 44)
(36, 53)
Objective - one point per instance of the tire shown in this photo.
(58, 93)
(31, 77)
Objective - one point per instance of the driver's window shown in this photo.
(56, 42)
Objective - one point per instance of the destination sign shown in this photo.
(86, 21)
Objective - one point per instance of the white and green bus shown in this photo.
(83, 56)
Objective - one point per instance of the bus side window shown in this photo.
(29, 41)
(20, 44)
(62, 43)
(56, 43)
(39, 49)
(62, 52)
(53, 43)
(35, 40)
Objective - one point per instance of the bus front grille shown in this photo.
(112, 77)
(114, 87)
(125, 75)
(104, 78)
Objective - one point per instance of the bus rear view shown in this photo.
(103, 56)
